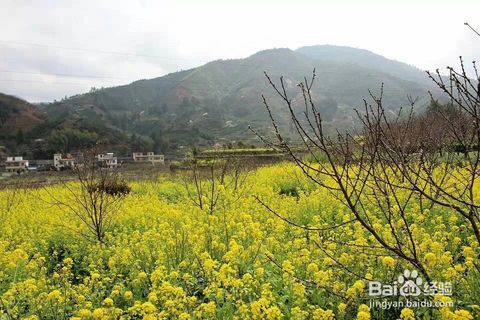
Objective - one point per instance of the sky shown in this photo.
(52, 49)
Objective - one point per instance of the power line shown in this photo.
(84, 49)
(162, 78)
(44, 82)
(232, 62)
(176, 82)
(86, 83)
(4, 42)
(63, 74)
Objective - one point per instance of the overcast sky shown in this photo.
(113, 42)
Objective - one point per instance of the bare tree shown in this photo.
(93, 197)
(206, 182)
(455, 188)
(395, 159)
(363, 181)
(214, 186)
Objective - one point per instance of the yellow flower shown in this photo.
(209, 265)
(320, 314)
(363, 312)
(54, 295)
(321, 277)
(351, 293)
(260, 272)
(389, 262)
(344, 258)
(184, 316)
(209, 308)
(288, 267)
(342, 307)
(81, 298)
(98, 314)
(84, 313)
(298, 314)
(299, 291)
(364, 307)
(468, 252)
(430, 259)
(148, 307)
(327, 261)
(363, 315)
(312, 267)
(463, 315)
(108, 302)
(407, 314)
(273, 313)
(184, 263)
(95, 276)
(128, 295)
(359, 284)
(443, 299)
(152, 297)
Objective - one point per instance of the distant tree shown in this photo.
(163, 109)
(141, 143)
(133, 138)
(195, 151)
(20, 138)
(241, 145)
(5, 112)
(69, 139)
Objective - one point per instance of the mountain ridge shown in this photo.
(18, 114)
(368, 59)
(218, 100)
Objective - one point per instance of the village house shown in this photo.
(218, 146)
(63, 161)
(42, 164)
(149, 157)
(16, 164)
(107, 160)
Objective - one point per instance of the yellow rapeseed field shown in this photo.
(166, 258)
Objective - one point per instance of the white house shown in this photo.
(148, 157)
(61, 161)
(218, 146)
(107, 160)
(15, 164)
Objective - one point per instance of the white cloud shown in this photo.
(167, 36)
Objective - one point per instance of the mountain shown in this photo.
(366, 59)
(217, 101)
(17, 114)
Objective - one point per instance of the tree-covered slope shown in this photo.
(17, 114)
(366, 59)
(219, 100)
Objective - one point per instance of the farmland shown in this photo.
(262, 250)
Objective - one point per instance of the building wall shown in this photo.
(148, 157)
